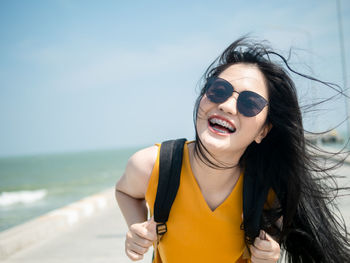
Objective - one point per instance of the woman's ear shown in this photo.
(264, 131)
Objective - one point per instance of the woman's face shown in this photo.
(242, 130)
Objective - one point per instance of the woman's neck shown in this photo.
(215, 176)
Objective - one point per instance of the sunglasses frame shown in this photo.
(250, 111)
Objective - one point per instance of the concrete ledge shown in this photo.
(48, 225)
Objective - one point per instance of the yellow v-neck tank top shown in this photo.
(195, 232)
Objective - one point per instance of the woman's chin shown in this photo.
(215, 142)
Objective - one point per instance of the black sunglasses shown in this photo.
(249, 103)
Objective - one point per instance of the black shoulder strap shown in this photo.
(170, 163)
(254, 198)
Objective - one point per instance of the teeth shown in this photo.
(222, 123)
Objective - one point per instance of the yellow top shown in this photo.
(195, 232)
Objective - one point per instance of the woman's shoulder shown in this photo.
(137, 173)
(142, 161)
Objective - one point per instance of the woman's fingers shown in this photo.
(136, 248)
(262, 235)
(151, 233)
(265, 249)
(133, 256)
(263, 255)
(139, 238)
(266, 242)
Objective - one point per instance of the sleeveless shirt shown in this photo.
(195, 232)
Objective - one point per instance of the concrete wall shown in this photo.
(48, 225)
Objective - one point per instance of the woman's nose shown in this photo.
(230, 105)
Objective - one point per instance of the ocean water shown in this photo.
(34, 185)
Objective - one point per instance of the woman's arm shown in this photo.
(131, 188)
(130, 193)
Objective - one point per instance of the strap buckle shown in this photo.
(161, 229)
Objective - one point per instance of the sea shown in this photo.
(31, 186)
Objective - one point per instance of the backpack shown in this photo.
(170, 163)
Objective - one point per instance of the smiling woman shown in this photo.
(250, 183)
(244, 109)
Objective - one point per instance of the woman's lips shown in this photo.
(220, 125)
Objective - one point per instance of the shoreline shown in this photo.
(48, 225)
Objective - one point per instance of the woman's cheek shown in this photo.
(206, 105)
(203, 109)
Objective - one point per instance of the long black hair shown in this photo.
(311, 229)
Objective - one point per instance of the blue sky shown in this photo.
(82, 75)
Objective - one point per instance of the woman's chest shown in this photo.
(197, 233)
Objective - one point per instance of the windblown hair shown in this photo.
(312, 230)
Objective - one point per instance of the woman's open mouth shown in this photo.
(220, 126)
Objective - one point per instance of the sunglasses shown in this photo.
(249, 103)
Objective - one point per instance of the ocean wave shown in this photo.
(24, 197)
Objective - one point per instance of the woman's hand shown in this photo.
(265, 249)
(139, 238)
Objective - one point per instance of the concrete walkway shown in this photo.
(96, 239)
(100, 238)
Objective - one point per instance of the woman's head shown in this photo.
(233, 111)
(246, 65)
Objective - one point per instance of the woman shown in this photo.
(248, 128)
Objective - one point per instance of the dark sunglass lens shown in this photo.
(250, 103)
(219, 91)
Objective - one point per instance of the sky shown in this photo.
(85, 75)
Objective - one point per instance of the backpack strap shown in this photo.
(170, 163)
(254, 198)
